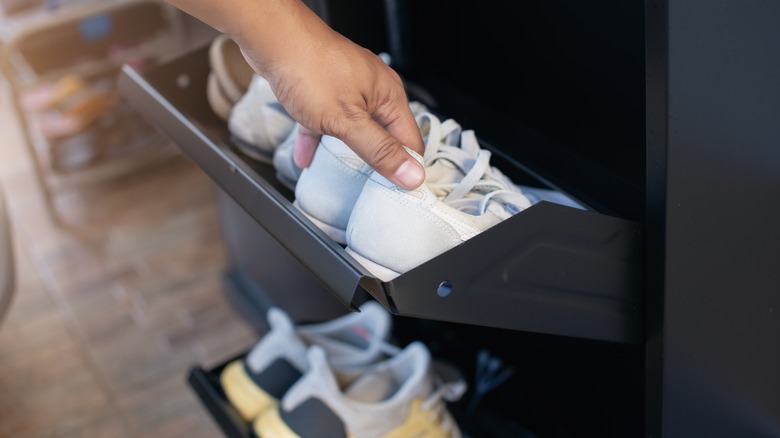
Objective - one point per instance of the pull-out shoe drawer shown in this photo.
(551, 268)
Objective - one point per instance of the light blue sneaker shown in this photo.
(287, 172)
(327, 190)
(392, 230)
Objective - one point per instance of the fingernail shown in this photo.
(410, 174)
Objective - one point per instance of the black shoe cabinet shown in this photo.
(653, 312)
(576, 274)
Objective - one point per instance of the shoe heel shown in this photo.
(335, 233)
(327, 190)
(381, 272)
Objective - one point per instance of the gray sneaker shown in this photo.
(399, 397)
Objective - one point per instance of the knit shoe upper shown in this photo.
(396, 398)
(278, 360)
(258, 123)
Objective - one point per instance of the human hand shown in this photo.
(332, 86)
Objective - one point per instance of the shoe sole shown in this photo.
(252, 151)
(417, 424)
(381, 272)
(219, 103)
(229, 67)
(243, 394)
(287, 182)
(337, 234)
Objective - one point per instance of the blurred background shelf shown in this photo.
(86, 133)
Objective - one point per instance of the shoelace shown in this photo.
(436, 406)
(481, 183)
(384, 347)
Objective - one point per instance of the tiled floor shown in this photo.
(111, 312)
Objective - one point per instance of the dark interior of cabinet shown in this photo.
(570, 76)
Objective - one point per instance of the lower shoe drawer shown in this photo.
(518, 384)
(551, 268)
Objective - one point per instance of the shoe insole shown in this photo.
(373, 387)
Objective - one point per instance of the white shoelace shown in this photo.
(436, 406)
(481, 183)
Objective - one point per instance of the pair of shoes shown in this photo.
(258, 123)
(261, 128)
(390, 230)
(229, 77)
(340, 378)
(328, 189)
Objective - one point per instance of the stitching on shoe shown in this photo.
(438, 221)
(352, 172)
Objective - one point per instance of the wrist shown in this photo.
(273, 31)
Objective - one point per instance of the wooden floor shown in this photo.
(112, 312)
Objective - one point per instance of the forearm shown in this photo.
(272, 29)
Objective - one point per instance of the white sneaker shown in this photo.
(392, 230)
(274, 364)
(327, 190)
(231, 71)
(218, 102)
(287, 172)
(258, 123)
(397, 398)
(329, 187)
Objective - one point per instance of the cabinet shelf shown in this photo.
(484, 423)
(550, 269)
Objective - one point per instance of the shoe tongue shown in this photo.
(278, 321)
(318, 381)
(409, 369)
(372, 387)
(443, 172)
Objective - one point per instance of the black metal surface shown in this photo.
(250, 300)
(557, 387)
(206, 386)
(721, 305)
(566, 95)
(177, 115)
(655, 207)
(549, 269)
(263, 273)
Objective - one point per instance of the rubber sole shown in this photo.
(381, 272)
(249, 400)
(252, 151)
(337, 234)
(287, 182)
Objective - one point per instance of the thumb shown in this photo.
(383, 152)
(306, 143)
